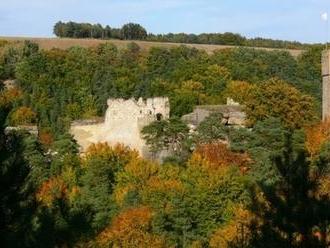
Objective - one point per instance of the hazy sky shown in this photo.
(280, 19)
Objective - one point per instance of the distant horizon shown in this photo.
(296, 20)
(54, 36)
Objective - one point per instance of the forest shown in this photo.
(264, 185)
(134, 31)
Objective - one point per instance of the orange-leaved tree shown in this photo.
(131, 228)
(217, 155)
(51, 190)
(316, 136)
(46, 138)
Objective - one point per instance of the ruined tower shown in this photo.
(326, 84)
(124, 120)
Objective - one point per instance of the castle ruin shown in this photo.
(232, 114)
(326, 84)
(124, 120)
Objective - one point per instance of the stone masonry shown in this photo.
(326, 84)
(124, 120)
(232, 114)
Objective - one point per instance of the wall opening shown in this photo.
(159, 117)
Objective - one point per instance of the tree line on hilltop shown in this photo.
(133, 31)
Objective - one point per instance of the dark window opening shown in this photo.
(159, 117)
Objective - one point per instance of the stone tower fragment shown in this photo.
(326, 84)
(124, 120)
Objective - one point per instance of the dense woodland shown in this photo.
(134, 31)
(266, 185)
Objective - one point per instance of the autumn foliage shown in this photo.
(316, 136)
(131, 228)
(51, 190)
(240, 91)
(236, 233)
(104, 151)
(276, 98)
(46, 138)
(135, 176)
(8, 96)
(218, 155)
(23, 116)
(256, 189)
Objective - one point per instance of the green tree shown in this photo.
(275, 98)
(133, 31)
(101, 164)
(202, 202)
(170, 135)
(23, 168)
(265, 141)
(296, 194)
(211, 130)
(214, 80)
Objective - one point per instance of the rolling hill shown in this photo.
(64, 43)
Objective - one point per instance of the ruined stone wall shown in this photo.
(326, 84)
(124, 120)
(232, 115)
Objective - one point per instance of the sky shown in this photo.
(298, 20)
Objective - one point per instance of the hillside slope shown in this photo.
(64, 43)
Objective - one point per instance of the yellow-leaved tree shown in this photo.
(23, 116)
(240, 91)
(236, 233)
(276, 98)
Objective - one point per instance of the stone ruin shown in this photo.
(124, 120)
(326, 84)
(232, 114)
